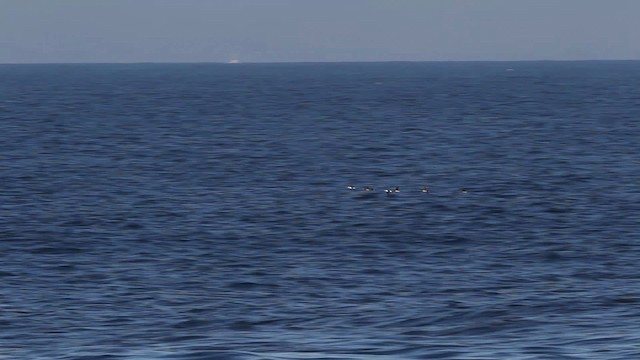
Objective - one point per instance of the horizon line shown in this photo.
(308, 62)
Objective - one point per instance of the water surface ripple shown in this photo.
(201, 211)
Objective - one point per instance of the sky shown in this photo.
(86, 31)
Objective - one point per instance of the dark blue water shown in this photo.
(191, 212)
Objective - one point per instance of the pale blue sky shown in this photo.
(316, 30)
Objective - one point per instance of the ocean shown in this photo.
(222, 211)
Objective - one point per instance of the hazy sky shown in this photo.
(316, 30)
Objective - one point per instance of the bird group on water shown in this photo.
(397, 189)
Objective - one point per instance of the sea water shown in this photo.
(202, 211)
